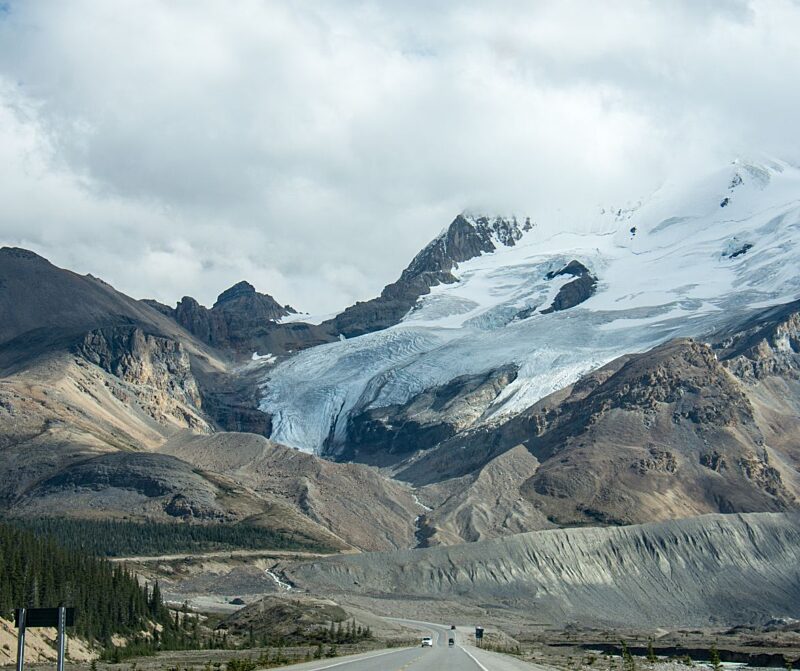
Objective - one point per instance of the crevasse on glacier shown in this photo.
(672, 267)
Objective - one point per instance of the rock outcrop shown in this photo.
(239, 320)
(141, 359)
(575, 292)
(768, 345)
(464, 239)
(386, 435)
(287, 619)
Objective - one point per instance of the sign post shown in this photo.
(479, 636)
(21, 638)
(62, 624)
(60, 617)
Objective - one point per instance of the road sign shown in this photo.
(479, 632)
(60, 617)
(44, 617)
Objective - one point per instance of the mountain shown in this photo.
(565, 299)
(98, 389)
(86, 370)
(45, 308)
(642, 366)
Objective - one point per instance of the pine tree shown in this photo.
(155, 601)
(716, 662)
(651, 654)
(628, 663)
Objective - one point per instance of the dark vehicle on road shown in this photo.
(451, 642)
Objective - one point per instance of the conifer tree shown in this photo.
(716, 662)
(651, 654)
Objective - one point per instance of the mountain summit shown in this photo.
(465, 238)
(238, 321)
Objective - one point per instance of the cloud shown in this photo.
(177, 147)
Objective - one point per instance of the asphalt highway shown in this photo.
(440, 657)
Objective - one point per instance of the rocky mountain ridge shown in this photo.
(243, 321)
(465, 238)
(236, 322)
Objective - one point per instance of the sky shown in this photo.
(312, 148)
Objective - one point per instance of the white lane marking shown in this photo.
(472, 657)
(362, 659)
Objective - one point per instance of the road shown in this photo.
(287, 554)
(440, 657)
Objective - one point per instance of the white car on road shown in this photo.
(427, 642)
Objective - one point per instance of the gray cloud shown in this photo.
(312, 148)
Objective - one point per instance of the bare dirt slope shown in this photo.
(487, 503)
(710, 569)
(353, 501)
(62, 410)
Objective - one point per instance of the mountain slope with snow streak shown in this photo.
(685, 262)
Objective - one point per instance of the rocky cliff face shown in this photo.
(232, 401)
(142, 359)
(239, 320)
(157, 370)
(464, 239)
(768, 347)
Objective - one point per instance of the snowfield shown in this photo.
(683, 263)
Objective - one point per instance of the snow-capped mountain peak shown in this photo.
(466, 237)
(556, 300)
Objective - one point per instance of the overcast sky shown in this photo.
(313, 148)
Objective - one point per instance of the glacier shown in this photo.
(683, 262)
